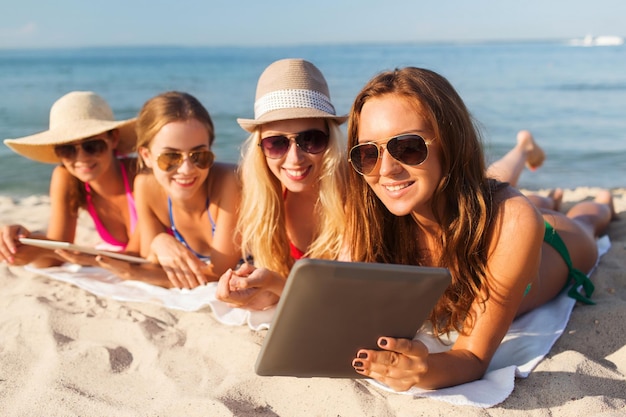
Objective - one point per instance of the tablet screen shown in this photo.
(330, 309)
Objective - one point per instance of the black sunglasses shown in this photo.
(91, 147)
(310, 141)
(408, 149)
(168, 161)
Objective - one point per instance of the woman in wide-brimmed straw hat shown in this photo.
(293, 170)
(85, 140)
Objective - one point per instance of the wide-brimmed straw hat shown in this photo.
(291, 89)
(75, 116)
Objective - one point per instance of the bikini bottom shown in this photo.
(552, 238)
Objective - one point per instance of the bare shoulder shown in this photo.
(516, 216)
(224, 186)
(59, 173)
(224, 177)
(144, 180)
(61, 182)
(224, 170)
(513, 204)
(147, 187)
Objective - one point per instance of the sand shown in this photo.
(66, 352)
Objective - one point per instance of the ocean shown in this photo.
(573, 98)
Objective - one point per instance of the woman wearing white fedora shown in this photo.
(293, 171)
(85, 140)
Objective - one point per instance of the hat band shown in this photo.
(292, 99)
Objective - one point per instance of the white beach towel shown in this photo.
(103, 283)
(528, 340)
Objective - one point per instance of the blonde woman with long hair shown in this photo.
(293, 172)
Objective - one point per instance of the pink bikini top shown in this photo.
(111, 243)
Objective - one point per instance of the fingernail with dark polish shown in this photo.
(383, 342)
(358, 363)
(362, 355)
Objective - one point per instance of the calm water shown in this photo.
(572, 98)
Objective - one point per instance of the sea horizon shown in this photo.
(572, 98)
(443, 42)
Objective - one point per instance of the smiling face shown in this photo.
(180, 182)
(403, 189)
(297, 170)
(89, 167)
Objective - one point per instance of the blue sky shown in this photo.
(79, 23)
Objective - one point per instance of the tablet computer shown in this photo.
(331, 309)
(55, 244)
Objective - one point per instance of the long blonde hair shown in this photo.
(262, 221)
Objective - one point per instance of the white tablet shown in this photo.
(330, 309)
(54, 244)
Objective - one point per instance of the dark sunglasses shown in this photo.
(168, 161)
(310, 141)
(407, 149)
(91, 147)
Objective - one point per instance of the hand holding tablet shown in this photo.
(330, 309)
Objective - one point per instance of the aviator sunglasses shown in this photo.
(168, 161)
(408, 149)
(310, 141)
(91, 147)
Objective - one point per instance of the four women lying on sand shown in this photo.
(418, 192)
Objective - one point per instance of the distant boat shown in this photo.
(590, 40)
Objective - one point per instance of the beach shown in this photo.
(67, 352)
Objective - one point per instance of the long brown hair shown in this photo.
(462, 203)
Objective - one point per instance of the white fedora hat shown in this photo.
(291, 89)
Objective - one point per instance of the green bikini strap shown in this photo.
(552, 238)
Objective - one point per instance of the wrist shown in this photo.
(278, 284)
